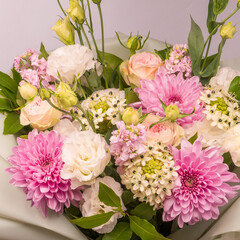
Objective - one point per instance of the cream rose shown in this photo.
(39, 114)
(165, 132)
(91, 204)
(140, 66)
(70, 62)
(232, 144)
(85, 155)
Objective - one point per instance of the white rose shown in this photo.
(91, 205)
(85, 155)
(224, 77)
(232, 144)
(70, 61)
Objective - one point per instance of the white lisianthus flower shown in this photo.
(224, 77)
(232, 144)
(70, 61)
(85, 155)
(91, 205)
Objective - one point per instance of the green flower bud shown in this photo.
(97, 1)
(65, 31)
(130, 116)
(134, 43)
(172, 112)
(44, 93)
(28, 91)
(75, 11)
(65, 96)
(238, 4)
(227, 31)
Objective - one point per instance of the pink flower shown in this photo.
(37, 163)
(172, 89)
(127, 142)
(201, 186)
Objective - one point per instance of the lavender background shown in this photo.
(25, 23)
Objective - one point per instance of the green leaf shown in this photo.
(72, 211)
(94, 80)
(12, 124)
(10, 96)
(44, 54)
(163, 54)
(109, 133)
(193, 138)
(131, 96)
(8, 83)
(219, 6)
(196, 46)
(209, 70)
(161, 120)
(144, 229)
(5, 105)
(16, 75)
(93, 221)
(144, 211)
(235, 87)
(127, 197)
(211, 16)
(121, 231)
(108, 196)
(227, 158)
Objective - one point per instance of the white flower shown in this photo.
(85, 155)
(232, 144)
(224, 77)
(91, 204)
(70, 61)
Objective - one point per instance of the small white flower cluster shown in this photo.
(103, 107)
(221, 108)
(151, 176)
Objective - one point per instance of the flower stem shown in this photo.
(61, 7)
(85, 35)
(208, 47)
(80, 36)
(90, 14)
(102, 30)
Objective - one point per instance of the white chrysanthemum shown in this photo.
(224, 77)
(151, 176)
(91, 205)
(232, 144)
(221, 108)
(103, 107)
(85, 155)
(70, 62)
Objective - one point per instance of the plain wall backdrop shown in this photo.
(26, 23)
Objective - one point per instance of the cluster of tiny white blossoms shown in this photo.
(103, 108)
(221, 108)
(151, 176)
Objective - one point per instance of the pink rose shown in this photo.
(168, 133)
(39, 114)
(140, 66)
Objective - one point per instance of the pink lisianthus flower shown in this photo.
(201, 185)
(172, 89)
(37, 163)
(127, 142)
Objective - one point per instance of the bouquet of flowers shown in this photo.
(125, 147)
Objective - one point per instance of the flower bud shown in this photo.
(65, 96)
(97, 1)
(134, 43)
(130, 116)
(44, 93)
(65, 31)
(172, 112)
(28, 91)
(75, 11)
(227, 31)
(238, 4)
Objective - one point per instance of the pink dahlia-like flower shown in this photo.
(172, 89)
(127, 142)
(201, 185)
(37, 163)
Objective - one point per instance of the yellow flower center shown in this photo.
(151, 166)
(221, 105)
(103, 105)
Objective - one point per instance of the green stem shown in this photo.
(102, 31)
(61, 7)
(205, 60)
(90, 14)
(85, 35)
(230, 15)
(61, 110)
(219, 54)
(80, 37)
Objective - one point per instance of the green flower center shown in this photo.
(101, 105)
(221, 105)
(151, 166)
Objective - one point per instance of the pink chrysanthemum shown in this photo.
(127, 142)
(172, 89)
(201, 186)
(36, 168)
